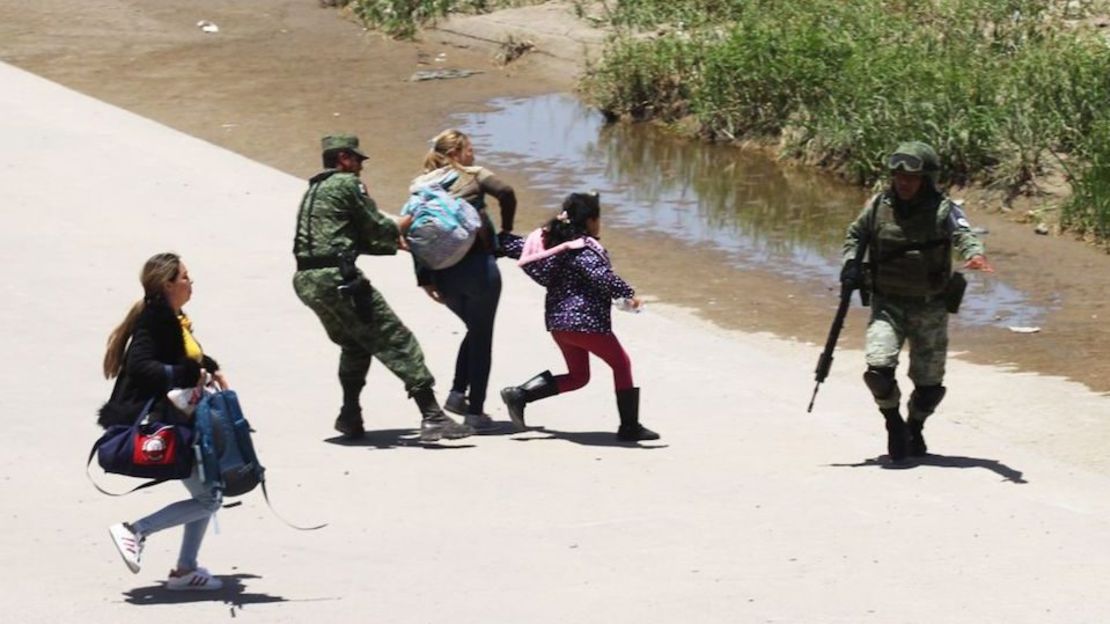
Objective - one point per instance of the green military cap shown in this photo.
(347, 142)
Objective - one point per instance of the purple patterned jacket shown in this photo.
(581, 287)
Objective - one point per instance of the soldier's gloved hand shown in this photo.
(851, 276)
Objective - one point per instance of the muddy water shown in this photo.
(745, 207)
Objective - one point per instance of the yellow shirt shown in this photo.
(192, 348)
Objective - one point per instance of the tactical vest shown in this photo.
(911, 256)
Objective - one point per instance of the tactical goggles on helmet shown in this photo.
(906, 162)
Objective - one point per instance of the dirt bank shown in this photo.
(279, 73)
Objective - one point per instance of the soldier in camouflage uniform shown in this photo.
(336, 222)
(910, 229)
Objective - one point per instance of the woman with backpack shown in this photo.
(151, 352)
(566, 257)
(471, 288)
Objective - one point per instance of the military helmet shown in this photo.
(915, 157)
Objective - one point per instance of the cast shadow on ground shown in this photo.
(232, 594)
(395, 438)
(943, 461)
(586, 438)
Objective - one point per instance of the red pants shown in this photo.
(577, 347)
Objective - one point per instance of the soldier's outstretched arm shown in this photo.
(966, 242)
(378, 232)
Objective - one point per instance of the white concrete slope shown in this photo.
(748, 510)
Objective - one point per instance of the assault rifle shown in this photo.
(824, 363)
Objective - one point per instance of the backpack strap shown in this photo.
(266, 495)
(207, 469)
(142, 486)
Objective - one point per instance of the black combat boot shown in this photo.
(349, 423)
(884, 387)
(897, 435)
(628, 405)
(917, 439)
(434, 424)
(923, 402)
(516, 397)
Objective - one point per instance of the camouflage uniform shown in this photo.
(908, 303)
(338, 218)
(909, 258)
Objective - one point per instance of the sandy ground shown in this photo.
(282, 72)
(747, 510)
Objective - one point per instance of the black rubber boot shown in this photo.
(434, 424)
(897, 435)
(349, 423)
(628, 405)
(516, 397)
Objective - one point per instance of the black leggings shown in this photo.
(472, 290)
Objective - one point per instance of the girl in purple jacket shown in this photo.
(566, 258)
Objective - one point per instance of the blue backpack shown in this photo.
(443, 227)
(225, 453)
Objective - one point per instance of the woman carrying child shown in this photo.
(566, 258)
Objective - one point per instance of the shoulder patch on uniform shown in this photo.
(362, 189)
(957, 217)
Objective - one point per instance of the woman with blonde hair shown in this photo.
(472, 287)
(149, 353)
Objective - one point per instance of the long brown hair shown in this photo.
(445, 144)
(159, 270)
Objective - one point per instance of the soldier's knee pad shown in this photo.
(881, 383)
(925, 399)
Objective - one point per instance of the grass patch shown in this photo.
(1087, 211)
(995, 85)
(402, 18)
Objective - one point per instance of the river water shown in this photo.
(758, 212)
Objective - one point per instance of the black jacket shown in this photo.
(154, 364)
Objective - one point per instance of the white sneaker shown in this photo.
(129, 545)
(197, 580)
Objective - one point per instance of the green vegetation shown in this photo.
(997, 86)
(402, 18)
(1088, 209)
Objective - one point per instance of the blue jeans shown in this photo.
(472, 289)
(193, 513)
